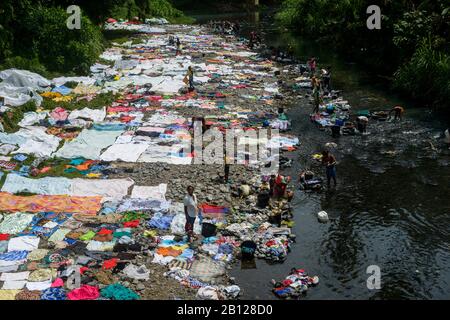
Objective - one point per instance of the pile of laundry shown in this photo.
(294, 285)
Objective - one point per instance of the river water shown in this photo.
(391, 207)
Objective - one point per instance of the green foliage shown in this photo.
(400, 42)
(426, 75)
(58, 47)
(34, 35)
(143, 9)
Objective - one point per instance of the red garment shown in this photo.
(131, 224)
(4, 236)
(120, 109)
(287, 282)
(85, 292)
(104, 231)
(83, 269)
(110, 264)
(270, 243)
(57, 283)
(126, 118)
(153, 98)
(207, 208)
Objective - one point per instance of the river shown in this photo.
(391, 207)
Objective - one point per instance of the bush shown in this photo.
(59, 48)
(32, 65)
(426, 76)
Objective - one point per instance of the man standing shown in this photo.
(329, 161)
(191, 211)
(190, 76)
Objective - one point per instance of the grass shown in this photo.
(58, 166)
(10, 119)
(182, 20)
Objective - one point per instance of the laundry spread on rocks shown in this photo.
(114, 196)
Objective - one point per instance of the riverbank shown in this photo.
(125, 166)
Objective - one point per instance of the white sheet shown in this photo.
(128, 152)
(109, 189)
(14, 276)
(88, 144)
(150, 192)
(15, 183)
(96, 115)
(26, 243)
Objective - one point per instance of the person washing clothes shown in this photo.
(398, 113)
(191, 210)
(330, 163)
(362, 123)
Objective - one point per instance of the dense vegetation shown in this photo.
(412, 45)
(34, 35)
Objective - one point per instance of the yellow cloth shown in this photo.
(8, 294)
(51, 95)
(94, 175)
(63, 99)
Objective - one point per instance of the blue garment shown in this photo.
(187, 254)
(53, 294)
(14, 255)
(62, 89)
(160, 221)
(20, 157)
(190, 220)
(331, 172)
(77, 161)
(225, 248)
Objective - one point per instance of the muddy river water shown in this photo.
(391, 207)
